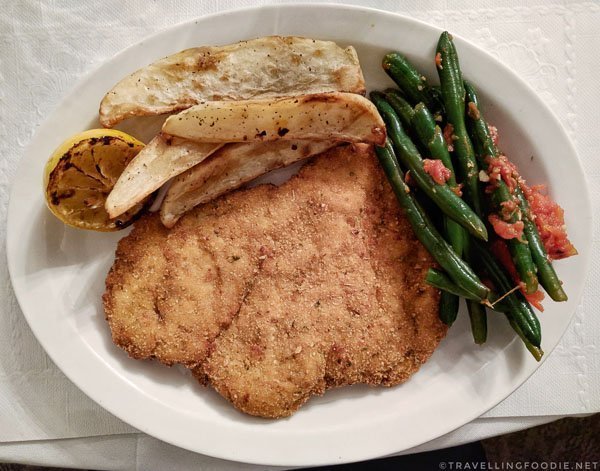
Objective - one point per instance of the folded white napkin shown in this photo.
(45, 47)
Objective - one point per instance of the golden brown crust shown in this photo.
(296, 289)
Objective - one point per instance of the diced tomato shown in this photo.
(448, 136)
(548, 215)
(506, 230)
(457, 189)
(535, 299)
(549, 218)
(473, 111)
(438, 60)
(501, 168)
(502, 254)
(508, 209)
(493, 134)
(438, 171)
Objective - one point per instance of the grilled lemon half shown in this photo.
(82, 172)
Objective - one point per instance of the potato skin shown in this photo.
(266, 67)
(163, 158)
(229, 168)
(339, 116)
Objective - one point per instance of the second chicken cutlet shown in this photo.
(274, 294)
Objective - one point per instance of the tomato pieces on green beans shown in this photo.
(431, 132)
(449, 203)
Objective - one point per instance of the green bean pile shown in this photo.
(458, 240)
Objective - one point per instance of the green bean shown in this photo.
(519, 250)
(546, 274)
(448, 307)
(431, 138)
(537, 352)
(430, 135)
(411, 82)
(453, 95)
(513, 303)
(439, 279)
(479, 127)
(438, 115)
(478, 319)
(477, 312)
(460, 273)
(403, 109)
(477, 315)
(450, 204)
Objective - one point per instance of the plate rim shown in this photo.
(137, 422)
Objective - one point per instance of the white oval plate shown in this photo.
(58, 272)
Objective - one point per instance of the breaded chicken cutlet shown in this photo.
(274, 294)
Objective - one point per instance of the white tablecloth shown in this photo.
(45, 47)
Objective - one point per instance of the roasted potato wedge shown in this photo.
(163, 158)
(229, 168)
(324, 116)
(265, 67)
